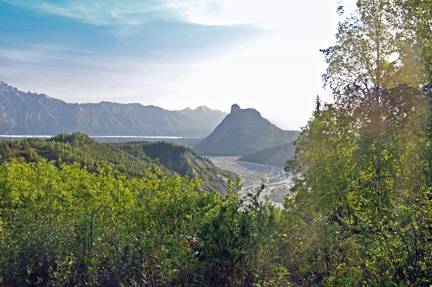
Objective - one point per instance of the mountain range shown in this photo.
(39, 114)
(241, 132)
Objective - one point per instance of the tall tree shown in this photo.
(363, 158)
(375, 73)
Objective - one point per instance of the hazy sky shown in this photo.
(261, 54)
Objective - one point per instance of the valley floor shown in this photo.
(251, 174)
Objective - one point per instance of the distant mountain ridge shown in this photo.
(242, 132)
(208, 117)
(32, 113)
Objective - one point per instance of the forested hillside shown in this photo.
(360, 211)
(131, 159)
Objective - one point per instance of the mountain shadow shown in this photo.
(277, 155)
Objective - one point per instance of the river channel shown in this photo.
(277, 184)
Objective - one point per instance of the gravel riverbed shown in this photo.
(252, 174)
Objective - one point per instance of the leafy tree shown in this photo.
(361, 161)
(381, 99)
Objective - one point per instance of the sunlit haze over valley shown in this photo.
(172, 54)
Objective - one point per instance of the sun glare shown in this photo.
(393, 57)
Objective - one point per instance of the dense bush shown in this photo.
(67, 226)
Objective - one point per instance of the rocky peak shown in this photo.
(243, 131)
(235, 108)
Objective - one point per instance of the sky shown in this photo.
(173, 53)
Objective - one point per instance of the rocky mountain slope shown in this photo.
(31, 113)
(242, 132)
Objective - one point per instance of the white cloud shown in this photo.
(106, 12)
(268, 13)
